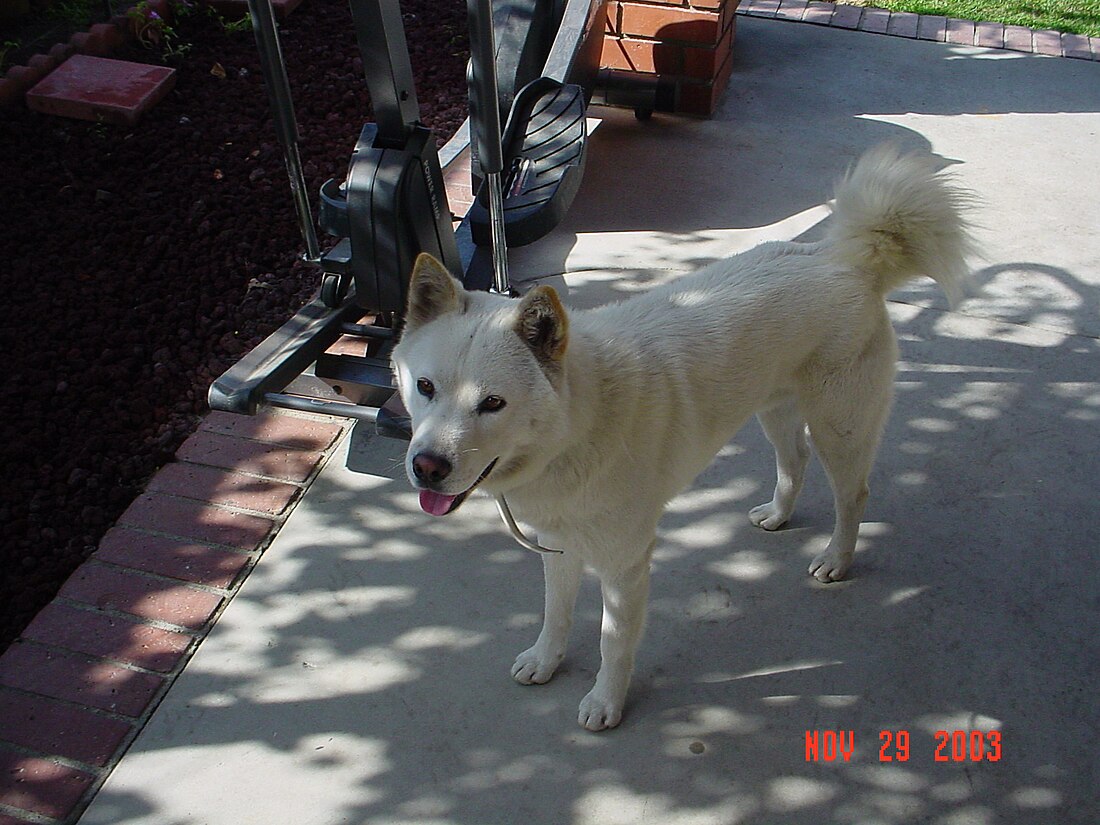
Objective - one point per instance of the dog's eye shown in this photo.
(491, 403)
(425, 387)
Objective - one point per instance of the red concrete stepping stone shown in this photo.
(98, 88)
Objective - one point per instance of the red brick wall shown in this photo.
(687, 42)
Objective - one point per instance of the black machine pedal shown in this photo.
(544, 152)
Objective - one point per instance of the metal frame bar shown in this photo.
(385, 52)
(320, 405)
(286, 124)
(485, 97)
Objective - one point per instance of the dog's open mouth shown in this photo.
(440, 504)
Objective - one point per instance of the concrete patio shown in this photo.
(361, 673)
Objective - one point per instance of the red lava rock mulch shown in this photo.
(138, 263)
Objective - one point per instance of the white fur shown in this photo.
(594, 441)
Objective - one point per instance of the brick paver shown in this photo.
(110, 588)
(1076, 45)
(820, 13)
(903, 24)
(847, 17)
(174, 558)
(196, 520)
(95, 633)
(217, 486)
(98, 88)
(874, 20)
(79, 679)
(243, 455)
(761, 8)
(290, 431)
(84, 673)
(1018, 38)
(926, 27)
(1047, 42)
(59, 729)
(989, 35)
(791, 9)
(960, 32)
(932, 27)
(40, 786)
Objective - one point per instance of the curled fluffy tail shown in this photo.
(896, 218)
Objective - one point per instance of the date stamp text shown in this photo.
(895, 746)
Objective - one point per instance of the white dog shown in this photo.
(590, 422)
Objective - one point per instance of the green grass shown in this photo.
(1076, 16)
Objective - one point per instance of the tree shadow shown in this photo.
(361, 673)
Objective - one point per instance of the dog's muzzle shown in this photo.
(432, 470)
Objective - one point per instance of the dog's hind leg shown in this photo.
(625, 593)
(786, 430)
(562, 573)
(847, 469)
(846, 417)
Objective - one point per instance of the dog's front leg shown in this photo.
(562, 572)
(625, 593)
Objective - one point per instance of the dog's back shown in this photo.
(695, 358)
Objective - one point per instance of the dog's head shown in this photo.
(482, 377)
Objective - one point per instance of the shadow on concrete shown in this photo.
(361, 675)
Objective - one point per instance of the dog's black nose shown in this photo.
(431, 469)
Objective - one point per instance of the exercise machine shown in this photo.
(533, 67)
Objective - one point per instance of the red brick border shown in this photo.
(927, 27)
(90, 669)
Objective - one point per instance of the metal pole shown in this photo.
(501, 283)
(490, 153)
(282, 108)
(324, 406)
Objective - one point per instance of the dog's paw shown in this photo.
(599, 712)
(769, 516)
(831, 565)
(535, 666)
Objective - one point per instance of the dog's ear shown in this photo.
(543, 325)
(433, 291)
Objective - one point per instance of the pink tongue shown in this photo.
(435, 504)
